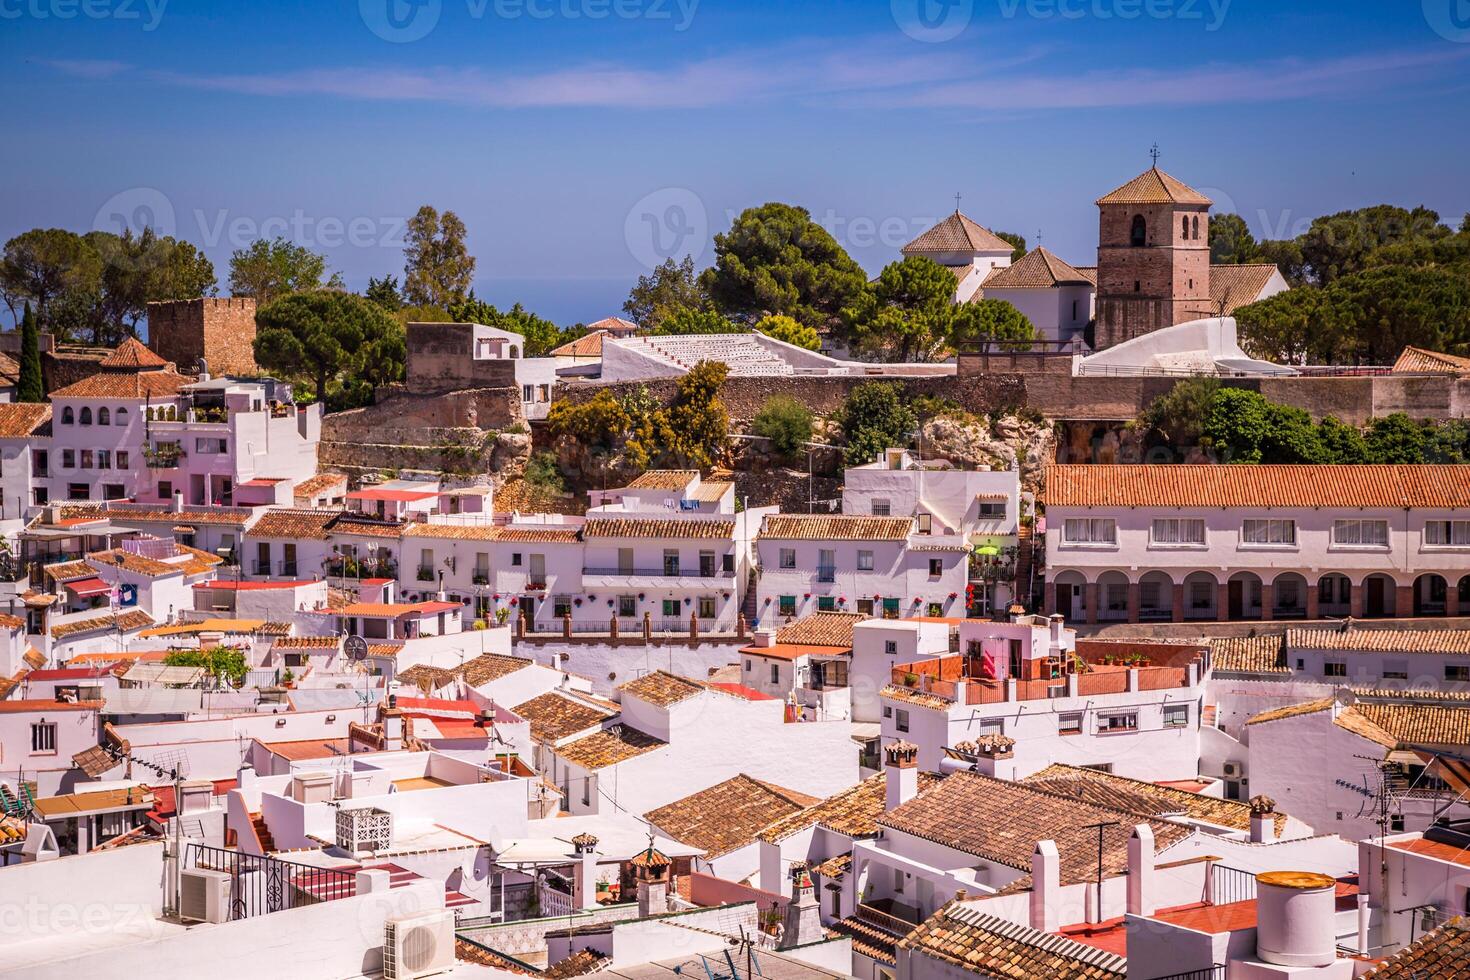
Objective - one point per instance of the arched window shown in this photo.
(120, 417)
(1196, 227)
(515, 351)
(104, 417)
(66, 416)
(1184, 227)
(1138, 237)
(86, 416)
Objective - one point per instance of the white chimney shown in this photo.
(178, 501)
(764, 638)
(1263, 819)
(901, 779)
(195, 796)
(802, 922)
(1141, 871)
(392, 725)
(1295, 912)
(586, 882)
(1046, 886)
(1057, 623)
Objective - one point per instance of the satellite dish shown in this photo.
(356, 648)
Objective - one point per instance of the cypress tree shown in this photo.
(30, 387)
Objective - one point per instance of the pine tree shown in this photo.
(30, 387)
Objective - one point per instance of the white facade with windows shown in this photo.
(1257, 542)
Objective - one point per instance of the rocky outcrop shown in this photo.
(1003, 443)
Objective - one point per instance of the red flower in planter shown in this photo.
(515, 602)
(917, 601)
(807, 596)
(954, 595)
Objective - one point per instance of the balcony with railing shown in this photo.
(673, 575)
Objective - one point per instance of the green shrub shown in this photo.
(786, 422)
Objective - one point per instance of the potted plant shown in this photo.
(501, 615)
(910, 679)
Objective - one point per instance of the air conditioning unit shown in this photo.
(204, 895)
(418, 945)
(1232, 770)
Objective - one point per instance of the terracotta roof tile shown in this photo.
(134, 620)
(614, 325)
(728, 815)
(957, 233)
(367, 527)
(1038, 269)
(662, 688)
(1249, 654)
(125, 384)
(835, 868)
(489, 667)
(868, 939)
(658, 527)
(1112, 790)
(20, 419)
(539, 535)
(1411, 722)
(1291, 711)
(132, 354)
(976, 814)
(817, 527)
(828, 629)
(1356, 640)
(587, 345)
(1234, 286)
(579, 964)
(1443, 954)
(994, 947)
(294, 522)
(313, 485)
(1417, 360)
(664, 480)
(65, 571)
(473, 952)
(454, 532)
(554, 716)
(854, 812)
(1194, 486)
(917, 698)
(1153, 186)
(609, 747)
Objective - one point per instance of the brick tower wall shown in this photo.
(221, 330)
(1167, 281)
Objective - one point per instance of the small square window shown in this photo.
(890, 647)
(1457, 672)
(1069, 724)
(1176, 716)
(1339, 669)
(936, 567)
(787, 605)
(901, 722)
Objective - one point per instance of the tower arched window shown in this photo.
(1184, 227)
(1138, 236)
(120, 417)
(104, 417)
(67, 418)
(1196, 227)
(86, 416)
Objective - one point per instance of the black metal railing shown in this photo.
(1229, 885)
(666, 572)
(261, 884)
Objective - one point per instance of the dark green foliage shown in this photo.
(344, 344)
(786, 422)
(30, 387)
(874, 418)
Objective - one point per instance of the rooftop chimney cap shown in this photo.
(1262, 806)
(584, 842)
(901, 755)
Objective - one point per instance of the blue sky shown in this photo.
(581, 140)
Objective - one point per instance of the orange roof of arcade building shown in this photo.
(130, 355)
(1193, 486)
